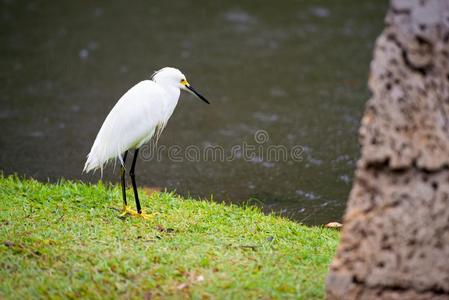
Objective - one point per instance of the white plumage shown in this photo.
(138, 115)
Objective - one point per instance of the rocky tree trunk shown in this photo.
(395, 239)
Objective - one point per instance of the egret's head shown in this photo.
(173, 77)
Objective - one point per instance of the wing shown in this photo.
(130, 123)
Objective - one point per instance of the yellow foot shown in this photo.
(128, 211)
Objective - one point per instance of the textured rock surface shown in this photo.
(395, 239)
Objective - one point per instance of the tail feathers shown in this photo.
(93, 163)
(98, 159)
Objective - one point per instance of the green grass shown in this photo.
(66, 241)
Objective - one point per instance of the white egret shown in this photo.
(140, 114)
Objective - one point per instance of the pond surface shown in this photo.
(285, 75)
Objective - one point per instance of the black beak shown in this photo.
(196, 93)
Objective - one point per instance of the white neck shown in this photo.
(171, 101)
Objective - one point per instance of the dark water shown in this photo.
(295, 69)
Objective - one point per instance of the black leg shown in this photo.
(133, 180)
(122, 175)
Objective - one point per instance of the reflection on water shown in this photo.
(294, 69)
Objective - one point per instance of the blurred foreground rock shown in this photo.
(395, 239)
